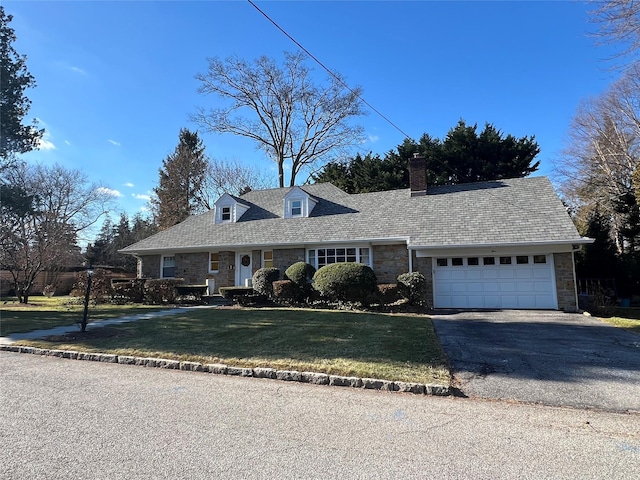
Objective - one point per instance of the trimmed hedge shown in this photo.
(100, 285)
(349, 282)
(130, 290)
(413, 287)
(263, 279)
(158, 291)
(284, 291)
(388, 293)
(301, 276)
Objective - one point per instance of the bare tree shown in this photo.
(603, 154)
(42, 214)
(232, 177)
(619, 25)
(296, 122)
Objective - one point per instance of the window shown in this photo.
(296, 208)
(456, 262)
(326, 256)
(214, 261)
(505, 260)
(168, 267)
(539, 259)
(472, 261)
(522, 259)
(226, 214)
(267, 259)
(489, 261)
(441, 262)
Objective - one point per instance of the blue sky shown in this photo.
(116, 79)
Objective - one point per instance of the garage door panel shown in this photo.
(514, 285)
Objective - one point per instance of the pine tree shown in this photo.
(179, 189)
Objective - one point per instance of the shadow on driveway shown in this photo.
(545, 357)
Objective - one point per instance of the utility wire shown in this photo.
(329, 70)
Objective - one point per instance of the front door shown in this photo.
(245, 272)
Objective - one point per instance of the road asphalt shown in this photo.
(548, 357)
(88, 420)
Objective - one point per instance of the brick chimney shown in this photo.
(418, 175)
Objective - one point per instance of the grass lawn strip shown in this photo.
(627, 318)
(366, 345)
(44, 313)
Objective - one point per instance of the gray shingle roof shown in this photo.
(524, 210)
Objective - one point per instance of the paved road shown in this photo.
(548, 357)
(87, 420)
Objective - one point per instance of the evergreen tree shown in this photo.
(15, 137)
(179, 189)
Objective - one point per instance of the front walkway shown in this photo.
(62, 330)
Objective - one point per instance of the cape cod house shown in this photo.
(496, 244)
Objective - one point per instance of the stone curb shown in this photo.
(222, 369)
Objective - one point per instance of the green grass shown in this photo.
(627, 318)
(393, 347)
(43, 312)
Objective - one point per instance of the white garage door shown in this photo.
(522, 281)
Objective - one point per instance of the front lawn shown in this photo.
(393, 347)
(44, 312)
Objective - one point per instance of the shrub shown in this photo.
(263, 280)
(49, 290)
(301, 276)
(129, 290)
(350, 282)
(284, 291)
(413, 287)
(388, 293)
(161, 290)
(100, 285)
(231, 293)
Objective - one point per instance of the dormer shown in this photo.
(298, 203)
(229, 209)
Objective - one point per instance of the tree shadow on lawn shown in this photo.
(268, 335)
(572, 349)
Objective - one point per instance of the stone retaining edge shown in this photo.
(258, 372)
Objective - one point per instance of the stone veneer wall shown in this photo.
(284, 258)
(150, 266)
(193, 267)
(424, 265)
(565, 281)
(389, 261)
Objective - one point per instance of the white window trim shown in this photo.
(162, 265)
(333, 247)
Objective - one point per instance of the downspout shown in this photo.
(410, 259)
(575, 277)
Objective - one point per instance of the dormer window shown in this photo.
(228, 209)
(296, 208)
(298, 203)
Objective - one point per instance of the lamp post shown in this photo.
(83, 325)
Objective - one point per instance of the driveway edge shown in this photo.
(258, 372)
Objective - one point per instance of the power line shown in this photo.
(329, 70)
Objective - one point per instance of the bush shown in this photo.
(301, 276)
(349, 282)
(232, 293)
(263, 280)
(388, 293)
(158, 291)
(413, 287)
(284, 291)
(49, 290)
(130, 290)
(100, 285)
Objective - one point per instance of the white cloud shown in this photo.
(144, 209)
(113, 142)
(128, 184)
(67, 142)
(373, 138)
(109, 191)
(141, 196)
(78, 70)
(44, 143)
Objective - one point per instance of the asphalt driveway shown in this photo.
(546, 357)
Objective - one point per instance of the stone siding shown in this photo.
(150, 266)
(424, 265)
(389, 261)
(565, 281)
(192, 267)
(283, 259)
